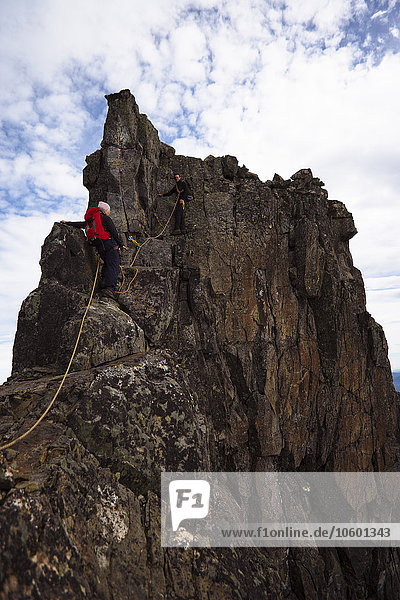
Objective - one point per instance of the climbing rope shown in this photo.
(151, 237)
(159, 222)
(154, 237)
(21, 437)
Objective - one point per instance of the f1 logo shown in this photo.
(189, 499)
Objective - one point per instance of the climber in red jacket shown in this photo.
(102, 234)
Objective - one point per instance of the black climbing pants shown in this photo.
(180, 217)
(109, 253)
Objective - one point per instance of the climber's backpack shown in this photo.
(94, 228)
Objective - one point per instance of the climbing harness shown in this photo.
(179, 193)
(21, 437)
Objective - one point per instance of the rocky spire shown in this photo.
(244, 345)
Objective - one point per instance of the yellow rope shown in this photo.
(154, 237)
(65, 374)
(156, 216)
(123, 281)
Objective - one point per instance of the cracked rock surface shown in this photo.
(244, 345)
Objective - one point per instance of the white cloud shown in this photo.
(20, 246)
(327, 15)
(383, 297)
(378, 14)
(48, 175)
(189, 48)
(274, 83)
(6, 345)
(190, 146)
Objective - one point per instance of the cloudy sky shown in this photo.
(282, 85)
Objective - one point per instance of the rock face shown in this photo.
(244, 345)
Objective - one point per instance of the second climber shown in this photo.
(183, 193)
